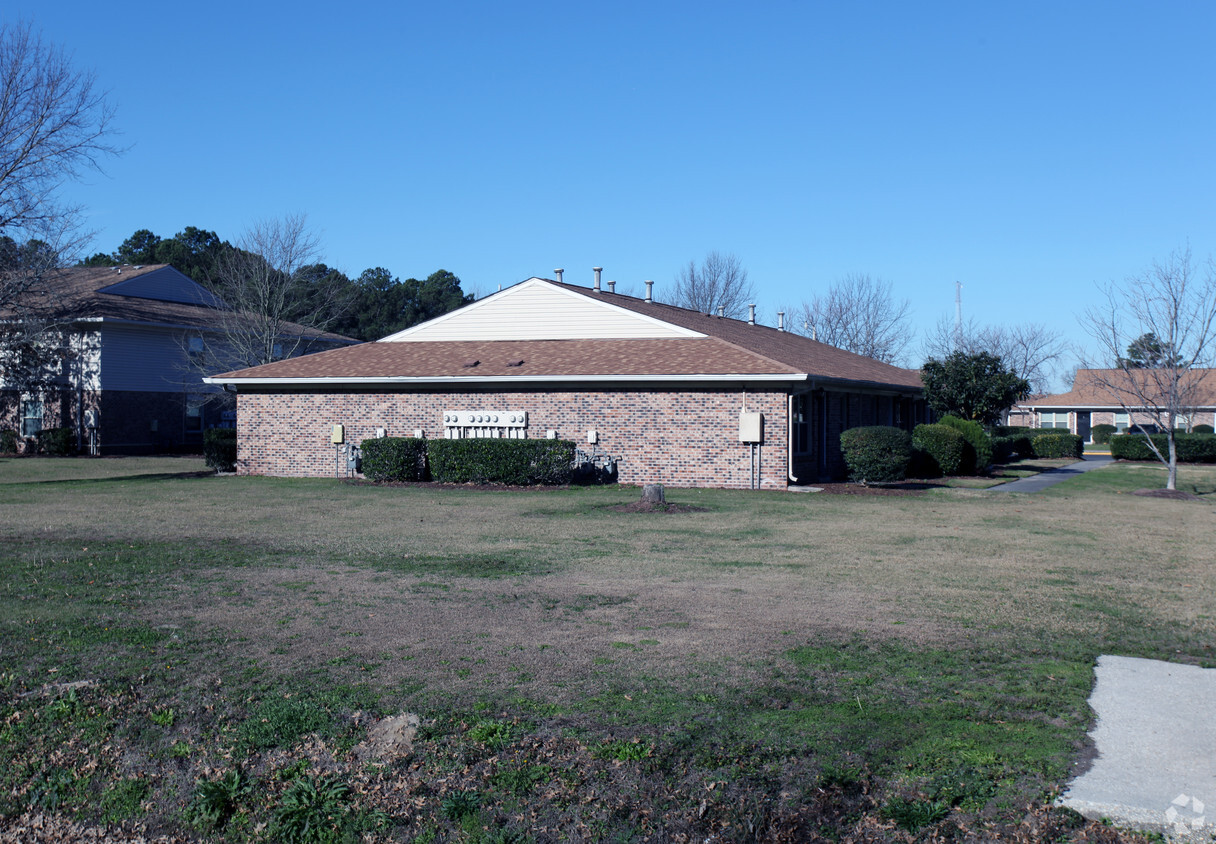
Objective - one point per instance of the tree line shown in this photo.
(281, 256)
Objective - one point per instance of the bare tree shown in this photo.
(859, 314)
(54, 125)
(718, 284)
(1030, 350)
(278, 298)
(1177, 305)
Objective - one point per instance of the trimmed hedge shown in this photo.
(1061, 444)
(1003, 449)
(514, 462)
(8, 442)
(876, 454)
(1102, 433)
(975, 434)
(55, 441)
(394, 458)
(1190, 448)
(219, 449)
(941, 450)
(1203, 429)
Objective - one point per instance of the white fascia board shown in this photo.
(539, 282)
(452, 380)
(1105, 407)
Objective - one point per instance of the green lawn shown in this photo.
(207, 654)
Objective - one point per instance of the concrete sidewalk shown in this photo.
(1055, 476)
(1155, 734)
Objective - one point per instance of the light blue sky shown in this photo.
(1025, 149)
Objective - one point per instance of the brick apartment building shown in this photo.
(669, 395)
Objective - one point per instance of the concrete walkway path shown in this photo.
(1155, 735)
(1054, 476)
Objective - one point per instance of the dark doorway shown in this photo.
(1083, 425)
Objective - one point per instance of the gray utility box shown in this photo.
(751, 427)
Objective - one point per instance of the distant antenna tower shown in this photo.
(958, 315)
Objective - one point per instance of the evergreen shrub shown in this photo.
(219, 449)
(394, 459)
(975, 434)
(1003, 449)
(8, 442)
(1061, 444)
(514, 462)
(1197, 429)
(942, 450)
(1102, 433)
(55, 441)
(876, 454)
(1191, 448)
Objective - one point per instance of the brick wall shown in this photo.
(679, 438)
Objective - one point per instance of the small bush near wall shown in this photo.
(219, 449)
(1058, 445)
(941, 451)
(876, 454)
(1203, 429)
(394, 459)
(8, 442)
(1191, 448)
(1102, 433)
(975, 434)
(514, 462)
(1003, 449)
(55, 441)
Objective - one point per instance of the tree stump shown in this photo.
(653, 494)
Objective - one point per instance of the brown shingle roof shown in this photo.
(76, 293)
(732, 348)
(1090, 389)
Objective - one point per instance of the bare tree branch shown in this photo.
(859, 314)
(1030, 350)
(719, 283)
(278, 299)
(1177, 305)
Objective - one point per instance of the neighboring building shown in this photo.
(1105, 397)
(674, 396)
(123, 377)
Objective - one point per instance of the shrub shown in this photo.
(975, 434)
(1197, 429)
(56, 441)
(515, 462)
(394, 459)
(1060, 444)
(1003, 449)
(1102, 433)
(219, 449)
(8, 442)
(1191, 448)
(876, 454)
(944, 451)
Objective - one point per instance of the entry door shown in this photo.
(1083, 425)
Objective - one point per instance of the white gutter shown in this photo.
(451, 380)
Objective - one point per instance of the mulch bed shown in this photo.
(1176, 494)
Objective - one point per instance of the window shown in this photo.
(801, 420)
(194, 413)
(31, 416)
(1122, 421)
(1053, 420)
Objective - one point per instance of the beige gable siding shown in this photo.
(535, 310)
(145, 359)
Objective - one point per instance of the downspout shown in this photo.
(789, 440)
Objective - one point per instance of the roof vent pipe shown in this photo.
(721, 311)
(612, 287)
(649, 290)
(558, 273)
(597, 271)
(751, 314)
(781, 320)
